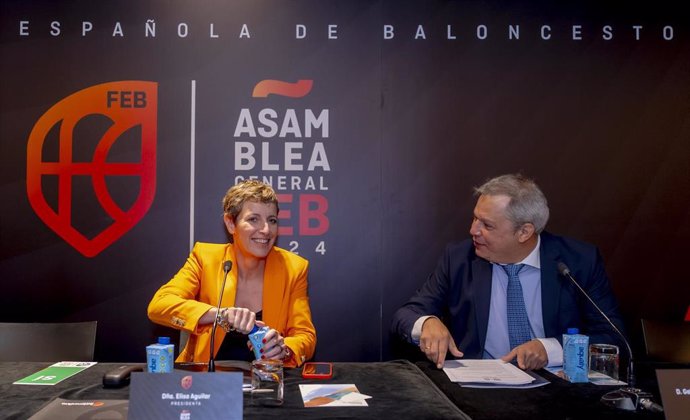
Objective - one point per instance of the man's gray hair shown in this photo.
(527, 203)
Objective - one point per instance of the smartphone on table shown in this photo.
(317, 370)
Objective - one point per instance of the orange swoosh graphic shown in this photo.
(277, 87)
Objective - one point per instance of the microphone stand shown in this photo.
(629, 397)
(227, 266)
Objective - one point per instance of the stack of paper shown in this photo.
(485, 371)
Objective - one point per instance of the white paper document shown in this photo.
(332, 395)
(596, 378)
(485, 371)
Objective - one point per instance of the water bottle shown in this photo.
(575, 356)
(256, 337)
(160, 356)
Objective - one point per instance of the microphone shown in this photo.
(227, 266)
(627, 398)
(565, 272)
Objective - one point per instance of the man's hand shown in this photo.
(436, 340)
(530, 355)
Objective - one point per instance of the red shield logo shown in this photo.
(129, 105)
(186, 382)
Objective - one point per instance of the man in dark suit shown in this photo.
(465, 303)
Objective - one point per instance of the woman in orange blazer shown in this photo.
(265, 282)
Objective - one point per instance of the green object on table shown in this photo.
(55, 373)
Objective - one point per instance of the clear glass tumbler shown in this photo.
(267, 382)
(603, 358)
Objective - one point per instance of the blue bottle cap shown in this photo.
(573, 331)
(255, 329)
(163, 340)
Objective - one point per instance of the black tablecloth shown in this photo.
(559, 399)
(399, 389)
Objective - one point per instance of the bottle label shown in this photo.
(160, 358)
(576, 357)
(256, 338)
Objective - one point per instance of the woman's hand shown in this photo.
(237, 319)
(274, 346)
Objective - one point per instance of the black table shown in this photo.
(559, 399)
(399, 390)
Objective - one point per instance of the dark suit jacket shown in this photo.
(459, 293)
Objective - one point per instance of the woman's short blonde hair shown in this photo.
(247, 190)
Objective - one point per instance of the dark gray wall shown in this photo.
(414, 124)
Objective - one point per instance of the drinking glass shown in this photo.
(603, 358)
(267, 382)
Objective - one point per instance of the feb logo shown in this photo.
(130, 111)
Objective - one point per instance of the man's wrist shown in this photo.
(416, 332)
(554, 351)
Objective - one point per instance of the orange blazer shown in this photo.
(194, 290)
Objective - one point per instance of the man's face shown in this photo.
(495, 237)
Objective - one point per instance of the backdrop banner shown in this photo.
(123, 124)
